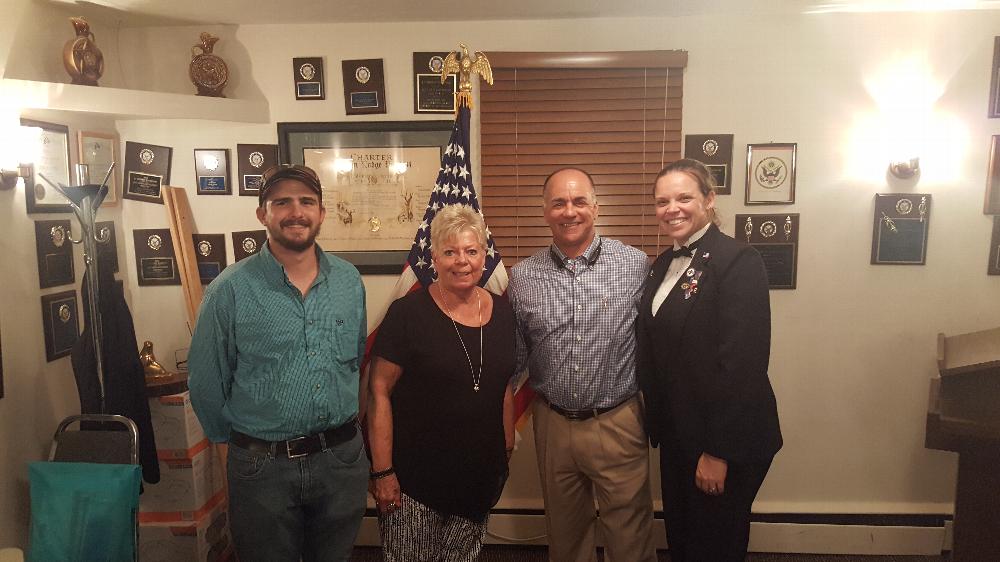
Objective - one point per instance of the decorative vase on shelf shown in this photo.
(81, 57)
(208, 72)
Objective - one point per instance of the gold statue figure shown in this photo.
(465, 68)
(150, 367)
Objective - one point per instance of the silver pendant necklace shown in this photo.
(476, 378)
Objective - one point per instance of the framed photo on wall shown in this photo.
(98, 150)
(376, 178)
(770, 174)
(53, 163)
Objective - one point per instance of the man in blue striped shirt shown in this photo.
(576, 305)
(274, 377)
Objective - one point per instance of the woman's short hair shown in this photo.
(454, 220)
(693, 169)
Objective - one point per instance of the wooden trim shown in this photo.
(611, 59)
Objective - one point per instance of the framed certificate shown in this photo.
(770, 174)
(994, 266)
(53, 163)
(376, 179)
(211, 168)
(899, 233)
(98, 150)
(991, 206)
(994, 109)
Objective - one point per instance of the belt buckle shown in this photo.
(288, 447)
(576, 415)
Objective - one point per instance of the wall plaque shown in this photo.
(55, 253)
(247, 243)
(994, 266)
(899, 232)
(364, 87)
(107, 251)
(716, 153)
(429, 94)
(308, 74)
(210, 252)
(776, 237)
(147, 170)
(252, 161)
(155, 262)
(211, 169)
(60, 324)
(770, 174)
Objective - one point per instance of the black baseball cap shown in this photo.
(298, 172)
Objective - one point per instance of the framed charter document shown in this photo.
(98, 150)
(776, 238)
(377, 177)
(53, 163)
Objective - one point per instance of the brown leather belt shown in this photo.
(297, 446)
(580, 415)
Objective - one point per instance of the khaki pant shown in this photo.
(604, 458)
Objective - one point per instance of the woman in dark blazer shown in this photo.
(704, 340)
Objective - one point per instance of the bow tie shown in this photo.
(685, 251)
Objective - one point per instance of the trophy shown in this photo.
(208, 72)
(81, 57)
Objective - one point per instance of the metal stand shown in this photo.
(85, 199)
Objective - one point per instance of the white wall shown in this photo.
(853, 345)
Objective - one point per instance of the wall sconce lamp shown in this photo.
(905, 169)
(8, 178)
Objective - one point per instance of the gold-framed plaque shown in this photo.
(716, 153)
(53, 163)
(98, 149)
(247, 243)
(364, 87)
(899, 232)
(55, 253)
(770, 174)
(210, 253)
(252, 161)
(776, 238)
(429, 94)
(147, 170)
(211, 168)
(59, 324)
(308, 76)
(155, 261)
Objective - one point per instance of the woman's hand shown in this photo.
(710, 476)
(386, 493)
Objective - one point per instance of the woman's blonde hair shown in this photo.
(454, 220)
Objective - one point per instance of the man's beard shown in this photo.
(278, 236)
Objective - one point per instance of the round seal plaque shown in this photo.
(256, 159)
(362, 74)
(154, 242)
(204, 248)
(249, 245)
(146, 156)
(307, 71)
(771, 172)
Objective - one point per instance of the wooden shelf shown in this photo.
(129, 104)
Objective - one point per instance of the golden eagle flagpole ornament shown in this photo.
(465, 68)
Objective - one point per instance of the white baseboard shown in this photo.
(529, 529)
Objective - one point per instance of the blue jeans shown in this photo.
(307, 508)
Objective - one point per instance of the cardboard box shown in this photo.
(205, 539)
(175, 425)
(185, 485)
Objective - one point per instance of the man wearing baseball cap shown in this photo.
(275, 380)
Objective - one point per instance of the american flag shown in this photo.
(453, 186)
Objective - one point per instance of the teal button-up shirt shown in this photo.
(268, 363)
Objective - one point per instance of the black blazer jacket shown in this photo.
(703, 358)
